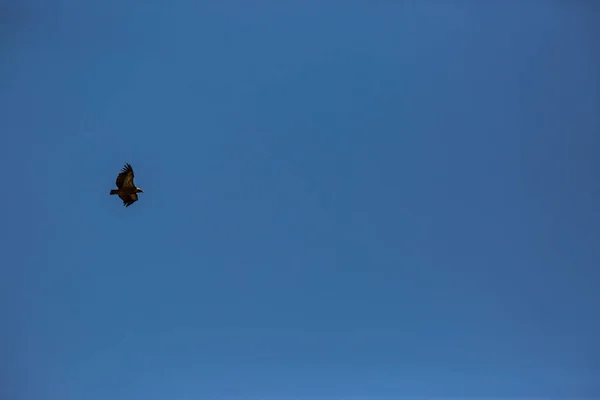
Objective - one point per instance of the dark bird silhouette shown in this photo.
(126, 189)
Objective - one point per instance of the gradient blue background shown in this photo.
(341, 198)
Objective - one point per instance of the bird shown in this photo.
(126, 189)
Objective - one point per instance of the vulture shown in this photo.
(126, 189)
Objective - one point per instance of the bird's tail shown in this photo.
(114, 191)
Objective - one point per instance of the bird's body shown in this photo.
(126, 189)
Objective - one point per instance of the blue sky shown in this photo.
(341, 199)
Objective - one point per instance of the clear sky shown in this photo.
(341, 198)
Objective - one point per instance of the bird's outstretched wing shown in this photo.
(128, 199)
(125, 177)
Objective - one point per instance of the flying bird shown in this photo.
(126, 189)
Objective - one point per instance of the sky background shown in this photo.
(342, 198)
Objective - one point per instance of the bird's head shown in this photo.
(138, 190)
